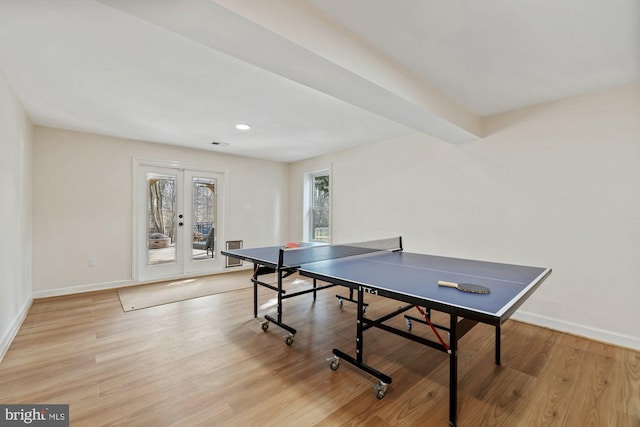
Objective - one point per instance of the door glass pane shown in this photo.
(204, 209)
(161, 214)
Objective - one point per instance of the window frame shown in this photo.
(309, 207)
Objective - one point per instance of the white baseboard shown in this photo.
(588, 332)
(82, 288)
(13, 330)
(78, 289)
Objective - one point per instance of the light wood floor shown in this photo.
(207, 362)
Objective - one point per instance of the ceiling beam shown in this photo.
(298, 42)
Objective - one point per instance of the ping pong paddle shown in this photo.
(291, 245)
(465, 287)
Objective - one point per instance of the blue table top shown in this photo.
(417, 275)
(409, 275)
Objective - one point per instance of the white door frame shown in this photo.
(186, 267)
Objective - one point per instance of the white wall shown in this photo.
(551, 186)
(82, 205)
(15, 214)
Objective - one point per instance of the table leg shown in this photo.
(255, 290)
(359, 326)
(381, 388)
(453, 370)
(278, 319)
(498, 334)
(279, 296)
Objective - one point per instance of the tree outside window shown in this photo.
(162, 205)
(320, 208)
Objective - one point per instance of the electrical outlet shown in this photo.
(93, 261)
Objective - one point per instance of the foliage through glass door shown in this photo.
(161, 214)
(203, 221)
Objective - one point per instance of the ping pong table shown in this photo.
(382, 268)
(277, 260)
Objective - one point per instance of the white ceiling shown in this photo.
(310, 76)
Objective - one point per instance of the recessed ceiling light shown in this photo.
(243, 126)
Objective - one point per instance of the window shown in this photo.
(318, 215)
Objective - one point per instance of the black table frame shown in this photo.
(461, 321)
(264, 267)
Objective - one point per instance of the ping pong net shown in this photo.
(295, 257)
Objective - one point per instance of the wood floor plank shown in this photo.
(207, 361)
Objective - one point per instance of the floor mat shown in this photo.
(153, 294)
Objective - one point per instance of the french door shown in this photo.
(178, 218)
